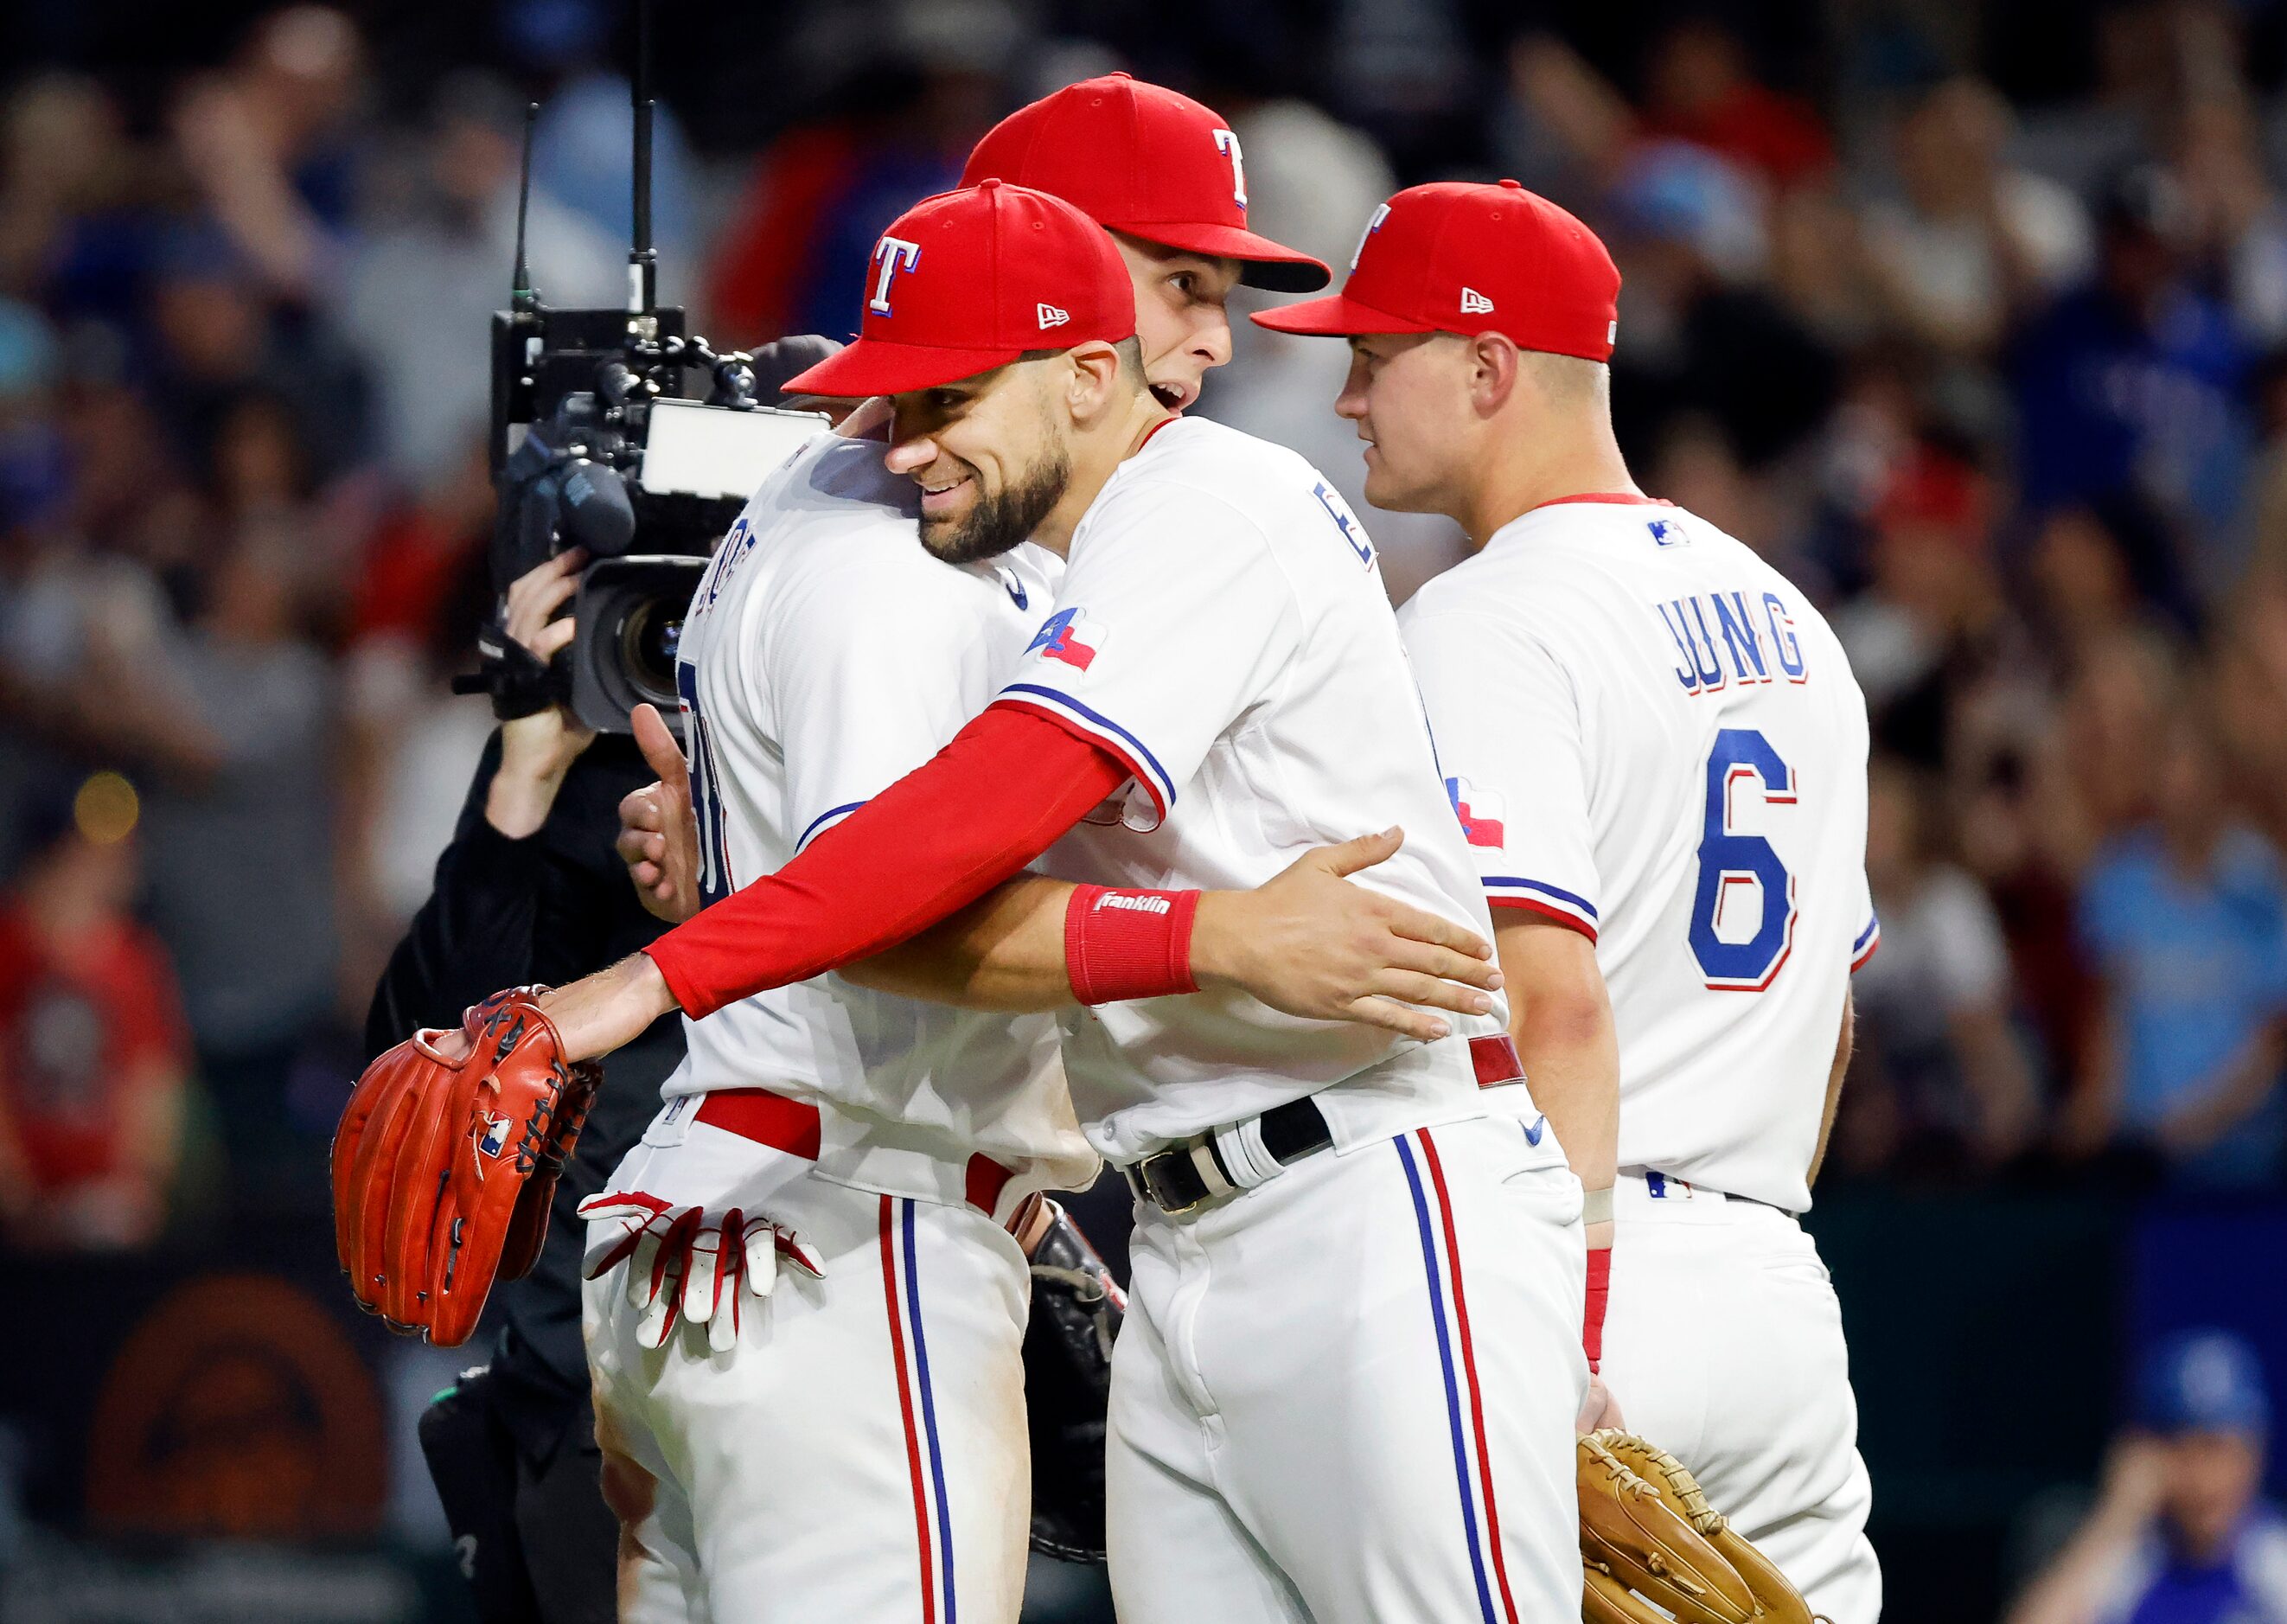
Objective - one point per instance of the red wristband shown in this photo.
(1600, 1293)
(1128, 944)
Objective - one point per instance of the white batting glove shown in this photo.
(684, 1264)
(734, 1250)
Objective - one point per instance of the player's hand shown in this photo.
(1311, 944)
(658, 835)
(1598, 1408)
(537, 750)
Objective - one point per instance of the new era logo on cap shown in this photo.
(1051, 316)
(1475, 304)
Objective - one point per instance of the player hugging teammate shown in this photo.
(1059, 786)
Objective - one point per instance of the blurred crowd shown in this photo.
(1995, 364)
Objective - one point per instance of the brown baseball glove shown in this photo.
(443, 1167)
(1655, 1551)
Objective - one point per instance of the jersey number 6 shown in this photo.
(1731, 862)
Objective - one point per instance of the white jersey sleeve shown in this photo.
(1162, 639)
(1509, 741)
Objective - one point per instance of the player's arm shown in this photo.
(1561, 1019)
(1008, 785)
(1304, 942)
(1009, 950)
(1522, 768)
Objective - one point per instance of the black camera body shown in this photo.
(600, 440)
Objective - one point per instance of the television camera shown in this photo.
(619, 432)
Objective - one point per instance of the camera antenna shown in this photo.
(642, 261)
(521, 296)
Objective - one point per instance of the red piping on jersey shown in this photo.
(1154, 428)
(1002, 792)
(1545, 911)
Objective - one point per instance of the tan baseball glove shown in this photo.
(1655, 1551)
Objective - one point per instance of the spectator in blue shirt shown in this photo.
(2185, 922)
(2129, 395)
(2177, 1535)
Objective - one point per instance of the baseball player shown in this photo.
(1658, 756)
(1352, 1359)
(825, 653)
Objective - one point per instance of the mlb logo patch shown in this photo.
(495, 1136)
(1665, 532)
(1480, 812)
(1069, 638)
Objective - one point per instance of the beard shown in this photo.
(997, 523)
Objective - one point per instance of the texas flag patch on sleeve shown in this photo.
(1480, 812)
(1068, 638)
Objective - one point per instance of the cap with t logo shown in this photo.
(1459, 257)
(1141, 159)
(969, 280)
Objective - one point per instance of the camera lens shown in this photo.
(649, 637)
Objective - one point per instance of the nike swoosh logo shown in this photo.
(1016, 589)
(1532, 1134)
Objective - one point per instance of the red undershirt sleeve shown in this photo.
(1002, 792)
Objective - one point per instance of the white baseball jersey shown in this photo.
(824, 655)
(1222, 629)
(1650, 735)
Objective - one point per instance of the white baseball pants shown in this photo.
(1723, 1345)
(1346, 1396)
(859, 1456)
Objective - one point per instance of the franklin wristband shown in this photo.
(1120, 945)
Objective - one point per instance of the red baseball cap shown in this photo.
(1141, 159)
(969, 280)
(1459, 257)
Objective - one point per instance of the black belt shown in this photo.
(1171, 1179)
(1175, 1181)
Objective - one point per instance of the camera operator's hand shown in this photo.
(659, 836)
(537, 750)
